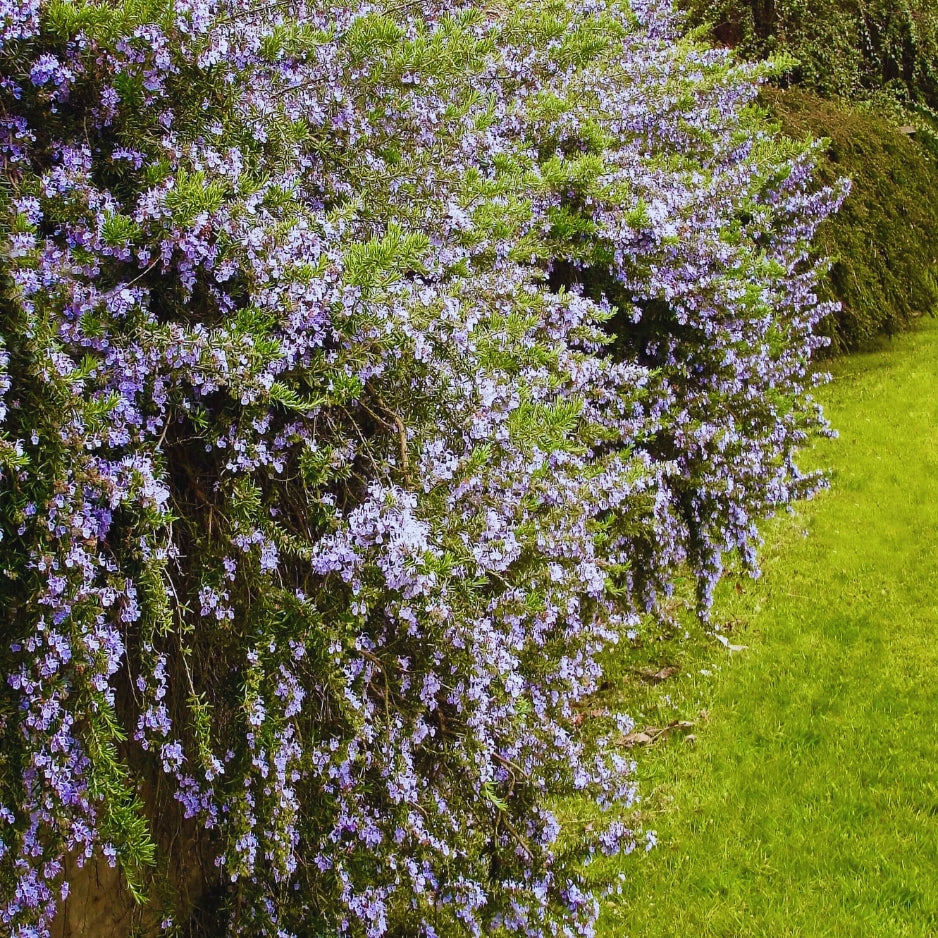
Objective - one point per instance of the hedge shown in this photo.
(322, 484)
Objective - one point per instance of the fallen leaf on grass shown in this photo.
(657, 677)
(589, 714)
(651, 734)
(679, 725)
(725, 642)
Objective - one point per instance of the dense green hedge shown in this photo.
(885, 238)
(865, 74)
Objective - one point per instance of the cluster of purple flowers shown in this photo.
(364, 374)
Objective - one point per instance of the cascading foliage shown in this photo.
(323, 482)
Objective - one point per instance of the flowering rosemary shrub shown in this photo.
(364, 374)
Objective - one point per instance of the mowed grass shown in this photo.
(807, 802)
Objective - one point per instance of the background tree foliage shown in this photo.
(848, 48)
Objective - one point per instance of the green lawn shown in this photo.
(807, 803)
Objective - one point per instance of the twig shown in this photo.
(398, 424)
(517, 837)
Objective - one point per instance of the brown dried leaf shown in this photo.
(651, 734)
(653, 676)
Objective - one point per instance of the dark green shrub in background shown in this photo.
(866, 77)
(884, 241)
